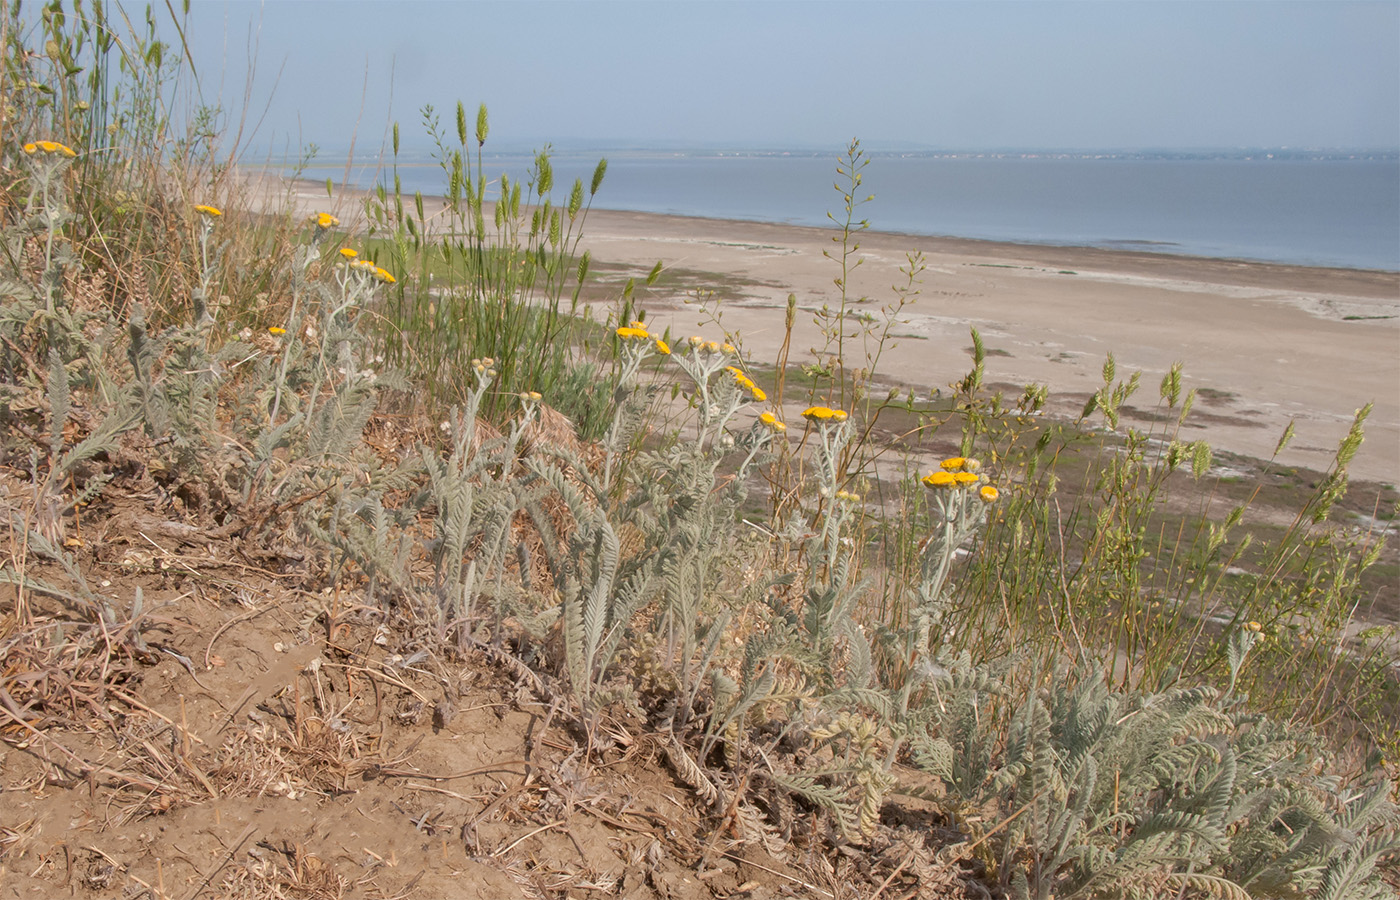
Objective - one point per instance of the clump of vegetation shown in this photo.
(1084, 700)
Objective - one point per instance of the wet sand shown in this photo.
(1263, 343)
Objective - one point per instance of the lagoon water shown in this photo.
(1309, 211)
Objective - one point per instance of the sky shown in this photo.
(797, 74)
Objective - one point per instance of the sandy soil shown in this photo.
(1267, 343)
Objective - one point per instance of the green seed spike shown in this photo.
(481, 128)
(1286, 438)
(654, 274)
(544, 183)
(583, 266)
(396, 138)
(1171, 385)
(1200, 459)
(1109, 368)
(461, 123)
(598, 173)
(1352, 442)
(328, 187)
(576, 199)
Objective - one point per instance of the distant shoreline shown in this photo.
(1207, 208)
(1367, 282)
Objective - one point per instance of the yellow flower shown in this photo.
(728, 348)
(276, 330)
(634, 333)
(383, 275)
(818, 413)
(31, 148)
(1253, 626)
(953, 464)
(712, 346)
(51, 147)
(966, 478)
(662, 347)
(838, 415)
(696, 340)
(758, 393)
(212, 212)
(771, 421)
(939, 479)
(348, 253)
(326, 220)
(989, 494)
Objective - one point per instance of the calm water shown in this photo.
(1332, 212)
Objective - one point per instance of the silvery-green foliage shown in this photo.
(359, 528)
(600, 591)
(831, 592)
(689, 524)
(475, 492)
(1106, 793)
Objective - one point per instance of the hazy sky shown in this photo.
(813, 74)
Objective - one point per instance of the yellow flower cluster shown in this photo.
(960, 471)
(746, 382)
(821, 414)
(369, 268)
(531, 396)
(772, 422)
(212, 212)
(325, 220)
(638, 331)
(848, 497)
(276, 330)
(49, 147)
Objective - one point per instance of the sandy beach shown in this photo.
(1263, 343)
